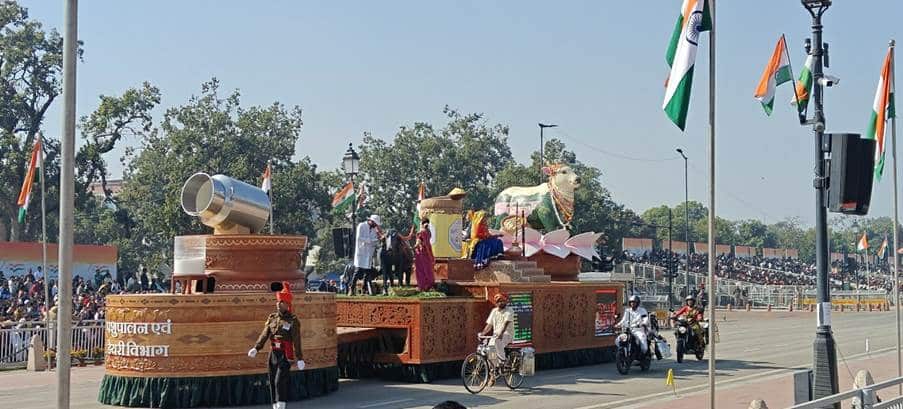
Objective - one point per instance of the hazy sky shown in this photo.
(596, 68)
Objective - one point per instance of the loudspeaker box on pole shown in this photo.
(852, 171)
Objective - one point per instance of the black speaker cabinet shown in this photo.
(852, 172)
(343, 242)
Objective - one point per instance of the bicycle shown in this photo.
(478, 370)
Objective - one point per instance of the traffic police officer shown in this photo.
(283, 330)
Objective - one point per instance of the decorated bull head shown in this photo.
(548, 206)
(562, 175)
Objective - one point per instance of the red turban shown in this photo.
(285, 295)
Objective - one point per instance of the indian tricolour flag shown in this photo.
(694, 18)
(803, 87)
(25, 193)
(863, 244)
(344, 197)
(776, 73)
(882, 109)
(882, 249)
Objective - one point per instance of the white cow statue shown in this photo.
(547, 207)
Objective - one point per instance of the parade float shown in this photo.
(567, 322)
(188, 348)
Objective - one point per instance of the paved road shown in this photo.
(753, 346)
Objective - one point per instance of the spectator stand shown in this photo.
(87, 342)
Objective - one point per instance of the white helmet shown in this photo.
(634, 298)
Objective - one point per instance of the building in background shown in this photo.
(114, 185)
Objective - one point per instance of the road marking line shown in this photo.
(570, 375)
(587, 380)
(693, 389)
(389, 402)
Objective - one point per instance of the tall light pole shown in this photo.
(542, 144)
(686, 217)
(825, 353)
(351, 164)
(671, 270)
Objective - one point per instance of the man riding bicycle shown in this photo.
(693, 316)
(637, 319)
(500, 325)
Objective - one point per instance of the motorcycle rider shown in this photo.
(637, 319)
(693, 315)
(703, 297)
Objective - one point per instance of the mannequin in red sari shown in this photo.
(423, 257)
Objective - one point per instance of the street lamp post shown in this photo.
(671, 269)
(686, 216)
(825, 354)
(542, 144)
(351, 163)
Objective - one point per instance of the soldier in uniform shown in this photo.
(283, 330)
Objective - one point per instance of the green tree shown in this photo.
(300, 198)
(754, 233)
(214, 134)
(658, 218)
(467, 153)
(725, 231)
(790, 234)
(698, 216)
(101, 221)
(30, 67)
(698, 212)
(594, 208)
(126, 116)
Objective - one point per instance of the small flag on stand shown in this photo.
(25, 193)
(267, 179)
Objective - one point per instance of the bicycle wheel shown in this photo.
(475, 373)
(513, 378)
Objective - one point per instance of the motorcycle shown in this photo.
(628, 352)
(687, 341)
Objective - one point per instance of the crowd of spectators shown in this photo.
(22, 297)
(769, 271)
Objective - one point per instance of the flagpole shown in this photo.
(868, 271)
(270, 193)
(893, 138)
(47, 300)
(796, 96)
(67, 194)
(712, 301)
